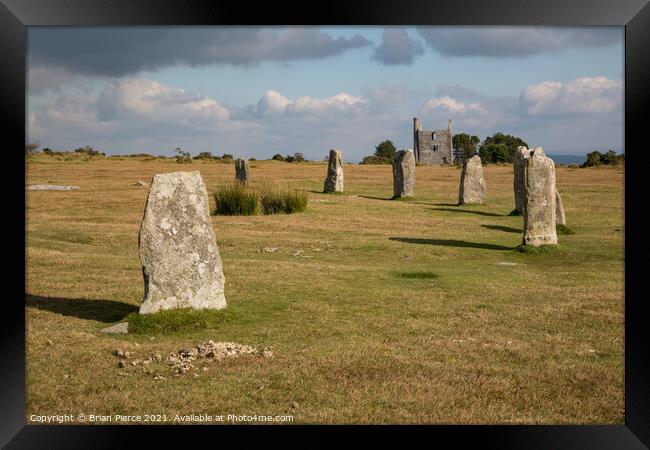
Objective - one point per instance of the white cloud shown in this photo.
(582, 95)
(272, 102)
(452, 105)
(156, 101)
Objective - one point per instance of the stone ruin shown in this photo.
(472, 183)
(560, 218)
(180, 259)
(539, 200)
(334, 179)
(242, 171)
(403, 173)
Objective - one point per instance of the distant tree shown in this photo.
(290, 158)
(48, 151)
(466, 144)
(299, 157)
(204, 156)
(596, 158)
(31, 148)
(182, 157)
(227, 156)
(384, 153)
(492, 151)
(278, 157)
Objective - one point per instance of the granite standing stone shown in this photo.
(472, 183)
(539, 200)
(334, 179)
(403, 173)
(180, 259)
(559, 209)
(242, 172)
(521, 155)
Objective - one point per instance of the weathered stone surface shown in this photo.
(560, 218)
(120, 328)
(51, 187)
(242, 171)
(403, 173)
(334, 179)
(472, 183)
(180, 259)
(521, 155)
(539, 200)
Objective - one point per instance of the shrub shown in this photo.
(242, 200)
(290, 158)
(182, 157)
(274, 200)
(597, 158)
(235, 200)
(278, 157)
(384, 154)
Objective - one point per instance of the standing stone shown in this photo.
(403, 173)
(521, 155)
(559, 209)
(472, 183)
(180, 259)
(539, 200)
(334, 179)
(242, 171)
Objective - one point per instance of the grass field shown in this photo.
(378, 311)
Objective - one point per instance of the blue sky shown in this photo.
(259, 91)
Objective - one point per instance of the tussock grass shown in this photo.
(564, 230)
(177, 321)
(419, 275)
(239, 199)
(236, 199)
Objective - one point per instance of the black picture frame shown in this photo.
(16, 15)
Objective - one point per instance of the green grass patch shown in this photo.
(541, 250)
(563, 229)
(177, 320)
(238, 199)
(418, 275)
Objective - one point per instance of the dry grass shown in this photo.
(354, 341)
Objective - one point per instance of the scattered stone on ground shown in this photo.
(180, 259)
(270, 249)
(182, 361)
(49, 342)
(539, 200)
(141, 183)
(120, 328)
(403, 173)
(506, 263)
(472, 183)
(334, 178)
(267, 352)
(242, 171)
(51, 187)
(298, 253)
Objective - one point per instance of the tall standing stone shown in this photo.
(242, 171)
(539, 200)
(403, 173)
(472, 183)
(334, 179)
(180, 259)
(521, 155)
(560, 218)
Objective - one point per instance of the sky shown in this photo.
(255, 92)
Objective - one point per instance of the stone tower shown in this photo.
(434, 146)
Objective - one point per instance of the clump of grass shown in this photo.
(236, 200)
(276, 199)
(177, 320)
(419, 275)
(532, 250)
(515, 212)
(563, 229)
(243, 200)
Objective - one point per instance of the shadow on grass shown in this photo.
(375, 198)
(107, 311)
(502, 228)
(469, 211)
(451, 243)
